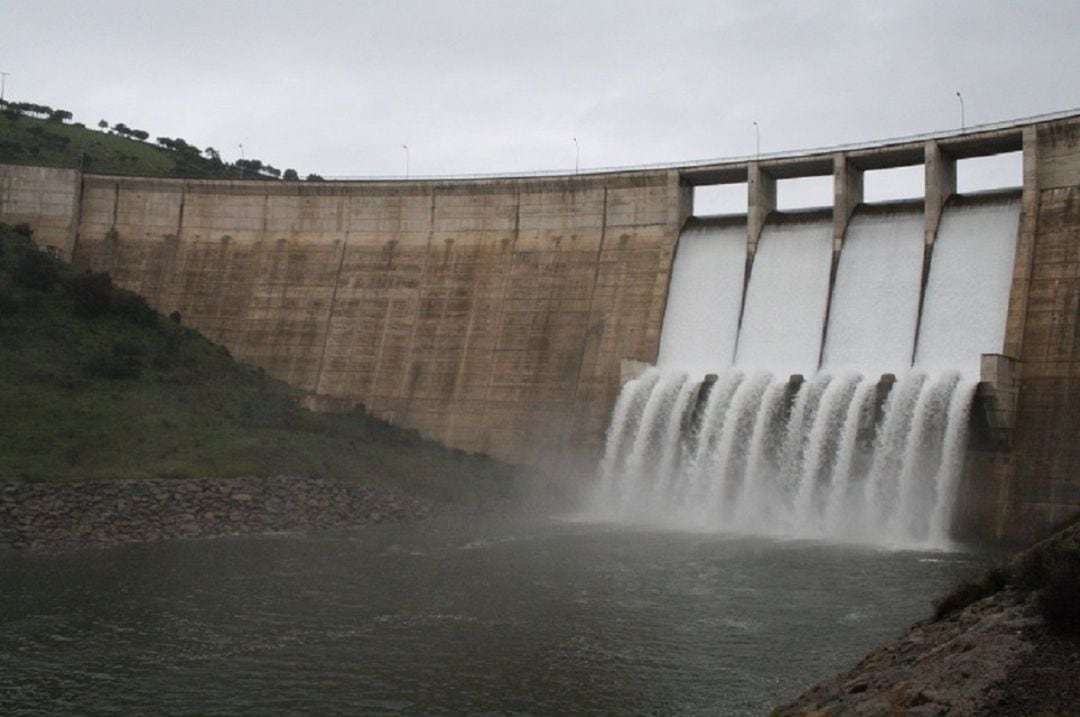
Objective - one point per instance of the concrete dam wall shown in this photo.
(496, 315)
(490, 315)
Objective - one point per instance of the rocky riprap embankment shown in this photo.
(936, 668)
(997, 657)
(107, 512)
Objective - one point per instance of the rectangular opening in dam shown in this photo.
(804, 192)
(894, 183)
(714, 199)
(994, 171)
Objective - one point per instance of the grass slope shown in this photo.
(94, 384)
(48, 143)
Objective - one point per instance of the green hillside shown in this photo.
(37, 135)
(94, 384)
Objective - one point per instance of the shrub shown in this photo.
(1059, 601)
(132, 307)
(122, 360)
(969, 592)
(162, 361)
(9, 303)
(1030, 571)
(289, 419)
(37, 270)
(11, 150)
(92, 293)
(24, 230)
(102, 364)
(129, 350)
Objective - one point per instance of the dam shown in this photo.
(504, 314)
(852, 453)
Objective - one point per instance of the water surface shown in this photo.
(452, 617)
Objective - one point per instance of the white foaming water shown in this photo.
(623, 427)
(701, 320)
(653, 436)
(838, 456)
(875, 303)
(967, 293)
(809, 461)
(786, 299)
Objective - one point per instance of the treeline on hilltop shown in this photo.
(32, 133)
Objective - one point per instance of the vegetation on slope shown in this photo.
(1050, 568)
(39, 135)
(983, 654)
(95, 384)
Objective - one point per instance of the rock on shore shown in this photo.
(936, 668)
(84, 513)
(997, 657)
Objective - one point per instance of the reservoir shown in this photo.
(461, 615)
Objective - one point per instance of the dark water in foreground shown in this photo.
(455, 617)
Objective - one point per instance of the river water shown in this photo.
(457, 616)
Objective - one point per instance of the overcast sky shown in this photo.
(337, 87)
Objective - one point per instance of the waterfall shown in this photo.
(875, 306)
(786, 298)
(967, 293)
(867, 443)
(709, 272)
(622, 430)
(805, 462)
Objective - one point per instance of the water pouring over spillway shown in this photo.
(725, 432)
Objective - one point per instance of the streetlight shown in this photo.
(406, 148)
(963, 125)
(757, 141)
(577, 155)
(241, 161)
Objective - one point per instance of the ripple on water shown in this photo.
(549, 618)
